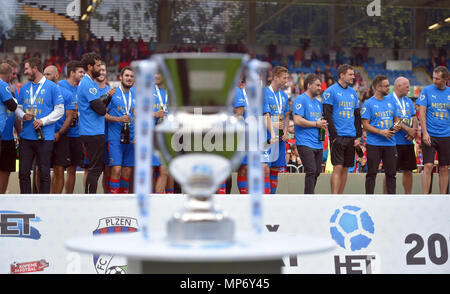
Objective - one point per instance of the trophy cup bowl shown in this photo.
(201, 141)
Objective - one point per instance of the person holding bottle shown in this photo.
(310, 130)
(40, 106)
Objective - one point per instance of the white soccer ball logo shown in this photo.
(115, 270)
(352, 228)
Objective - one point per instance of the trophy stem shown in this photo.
(199, 221)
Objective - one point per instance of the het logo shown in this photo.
(109, 264)
(17, 224)
(353, 229)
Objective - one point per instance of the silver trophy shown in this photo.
(201, 141)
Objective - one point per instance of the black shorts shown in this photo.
(61, 154)
(343, 151)
(8, 156)
(406, 157)
(76, 151)
(439, 144)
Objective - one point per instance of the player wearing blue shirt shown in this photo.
(434, 118)
(41, 105)
(75, 73)
(92, 108)
(8, 146)
(103, 89)
(60, 157)
(378, 115)
(240, 110)
(404, 138)
(120, 115)
(276, 102)
(308, 121)
(341, 111)
(163, 181)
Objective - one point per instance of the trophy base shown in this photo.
(221, 231)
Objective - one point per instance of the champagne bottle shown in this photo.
(321, 133)
(39, 132)
(125, 133)
(280, 130)
(74, 121)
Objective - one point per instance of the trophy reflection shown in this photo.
(200, 140)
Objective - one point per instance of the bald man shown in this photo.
(404, 138)
(61, 155)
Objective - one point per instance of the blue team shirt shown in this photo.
(240, 101)
(68, 105)
(381, 115)
(157, 103)
(5, 95)
(90, 122)
(344, 102)
(407, 117)
(117, 108)
(270, 106)
(309, 109)
(437, 103)
(73, 132)
(48, 97)
(8, 131)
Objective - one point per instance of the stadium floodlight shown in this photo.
(447, 20)
(89, 9)
(434, 26)
(84, 17)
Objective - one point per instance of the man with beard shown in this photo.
(8, 146)
(276, 102)
(120, 118)
(380, 119)
(104, 89)
(434, 118)
(75, 73)
(40, 106)
(92, 108)
(60, 156)
(308, 122)
(341, 111)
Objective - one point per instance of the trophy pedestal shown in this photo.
(215, 231)
(248, 254)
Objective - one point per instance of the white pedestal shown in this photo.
(248, 254)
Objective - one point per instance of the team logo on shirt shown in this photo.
(93, 91)
(422, 97)
(42, 91)
(363, 110)
(8, 89)
(298, 106)
(326, 96)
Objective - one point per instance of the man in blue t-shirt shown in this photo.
(8, 145)
(404, 138)
(163, 182)
(434, 118)
(276, 102)
(92, 108)
(40, 106)
(60, 157)
(75, 73)
(341, 111)
(240, 111)
(103, 88)
(120, 118)
(308, 122)
(379, 117)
